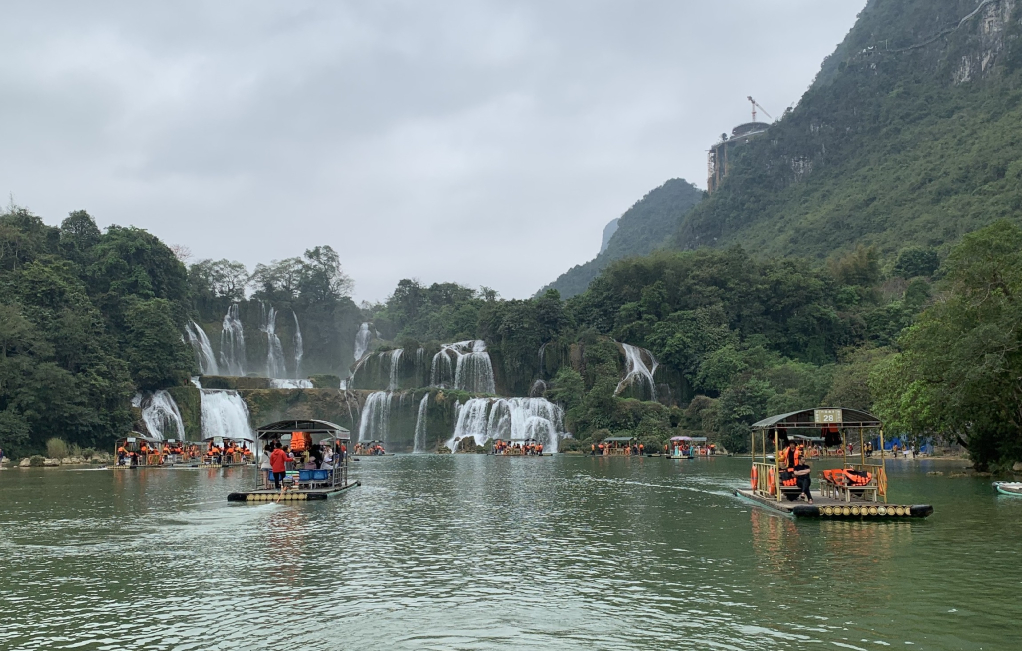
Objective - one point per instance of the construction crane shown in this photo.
(756, 105)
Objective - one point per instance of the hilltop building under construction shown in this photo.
(718, 162)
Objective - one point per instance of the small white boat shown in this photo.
(1009, 488)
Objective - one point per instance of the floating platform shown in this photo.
(292, 495)
(832, 509)
(1013, 488)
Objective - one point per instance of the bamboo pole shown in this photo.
(862, 448)
(883, 460)
(777, 468)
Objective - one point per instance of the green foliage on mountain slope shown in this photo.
(642, 229)
(890, 147)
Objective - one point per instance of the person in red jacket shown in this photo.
(278, 465)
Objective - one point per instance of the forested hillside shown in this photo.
(909, 136)
(643, 228)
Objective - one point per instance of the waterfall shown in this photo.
(274, 351)
(636, 369)
(362, 341)
(510, 419)
(542, 349)
(441, 370)
(299, 348)
(277, 383)
(375, 423)
(473, 370)
(538, 389)
(420, 425)
(225, 414)
(232, 343)
(420, 359)
(203, 349)
(160, 414)
(395, 359)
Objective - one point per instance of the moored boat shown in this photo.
(220, 452)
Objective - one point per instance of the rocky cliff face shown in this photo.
(907, 136)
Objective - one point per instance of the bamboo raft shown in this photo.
(831, 508)
(836, 497)
(292, 494)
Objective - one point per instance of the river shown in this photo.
(478, 552)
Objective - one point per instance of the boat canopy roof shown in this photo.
(695, 439)
(619, 439)
(135, 436)
(816, 418)
(808, 439)
(318, 429)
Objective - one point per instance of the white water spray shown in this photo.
(509, 419)
(225, 414)
(375, 423)
(636, 370)
(160, 414)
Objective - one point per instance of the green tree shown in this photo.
(155, 353)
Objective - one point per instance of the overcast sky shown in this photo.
(486, 143)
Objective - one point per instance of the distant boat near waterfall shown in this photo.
(1013, 488)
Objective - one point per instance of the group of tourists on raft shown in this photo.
(372, 449)
(229, 452)
(300, 454)
(527, 449)
(602, 449)
(154, 454)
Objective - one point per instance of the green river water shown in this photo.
(478, 552)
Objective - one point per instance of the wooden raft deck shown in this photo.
(291, 495)
(829, 508)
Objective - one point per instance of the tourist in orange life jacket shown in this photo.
(278, 465)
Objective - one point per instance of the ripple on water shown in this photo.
(473, 552)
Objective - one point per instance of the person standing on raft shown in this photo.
(278, 465)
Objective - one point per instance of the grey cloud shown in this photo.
(481, 142)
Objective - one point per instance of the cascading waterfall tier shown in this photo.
(362, 341)
(509, 419)
(232, 343)
(203, 349)
(420, 425)
(299, 347)
(472, 369)
(225, 414)
(275, 367)
(395, 360)
(278, 383)
(636, 370)
(375, 422)
(160, 414)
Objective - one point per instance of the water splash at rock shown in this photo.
(160, 414)
(472, 372)
(278, 383)
(636, 370)
(375, 422)
(509, 419)
(232, 343)
(225, 414)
